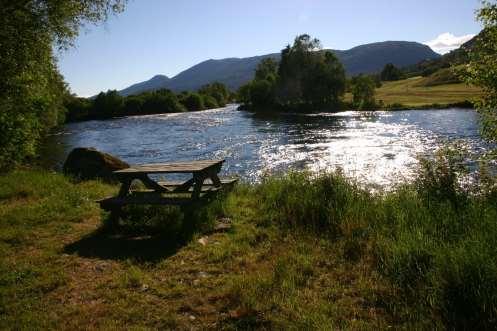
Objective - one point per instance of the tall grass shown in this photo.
(435, 240)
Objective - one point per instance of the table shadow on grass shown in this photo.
(143, 234)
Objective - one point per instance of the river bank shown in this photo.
(300, 252)
(347, 107)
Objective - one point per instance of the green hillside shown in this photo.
(423, 91)
(413, 92)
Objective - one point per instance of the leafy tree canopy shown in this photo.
(218, 91)
(108, 104)
(267, 70)
(306, 76)
(32, 91)
(193, 102)
(391, 73)
(482, 69)
(363, 91)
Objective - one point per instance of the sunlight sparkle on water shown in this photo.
(379, 148)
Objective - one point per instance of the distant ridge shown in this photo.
(234, 72)
(154, 83)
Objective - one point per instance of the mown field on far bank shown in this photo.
(295, 252)
(415, 93)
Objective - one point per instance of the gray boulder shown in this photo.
(88, 163)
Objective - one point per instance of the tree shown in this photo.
(391, 73)
(133, 105)
(78, 109)
(209, 102)
(324, 83)
(363, 91)
(309, 75)
(306, 77)
(296, 61)
(243, 93)
(161, 101)
(267, 69)
(108, 104)
(482, 68)
(31, 89)
(218, 91)
(261, 93)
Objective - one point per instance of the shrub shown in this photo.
(210, 102)
(193, 102)
(162, 102)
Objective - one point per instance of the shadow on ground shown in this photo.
(106, 244)
(145, 234)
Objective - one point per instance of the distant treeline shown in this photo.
(111, 104)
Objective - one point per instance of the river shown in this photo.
(376, 148)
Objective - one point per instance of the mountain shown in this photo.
(371, 58)
(155, 83)
(234, 72)
(454, 58)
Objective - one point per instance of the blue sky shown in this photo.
(165, 37)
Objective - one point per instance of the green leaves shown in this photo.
(31, 88)
(391, 73)
(305, 77)
(363, 90)
(482, 69)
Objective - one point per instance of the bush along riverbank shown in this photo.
(299, 251)
(111, 104)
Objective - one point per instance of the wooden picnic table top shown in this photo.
(172, 167)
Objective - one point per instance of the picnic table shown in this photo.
(204, 182)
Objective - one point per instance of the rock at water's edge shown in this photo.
(88, 163)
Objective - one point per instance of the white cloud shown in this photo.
(447, 42)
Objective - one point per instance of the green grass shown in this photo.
(304, 252)
(411, 92)
(417, 92)
(444, 76)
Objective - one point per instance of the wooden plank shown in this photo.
(115, 202)
(175, 167)
(205, 188)
(207, 182)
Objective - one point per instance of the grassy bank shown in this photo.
(416, 92)
(420, 93)
(303, 252)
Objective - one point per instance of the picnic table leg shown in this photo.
(116, 212)
(213, 176)
(215, 179)
(197, 186)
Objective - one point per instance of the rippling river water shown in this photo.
(378, 148)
